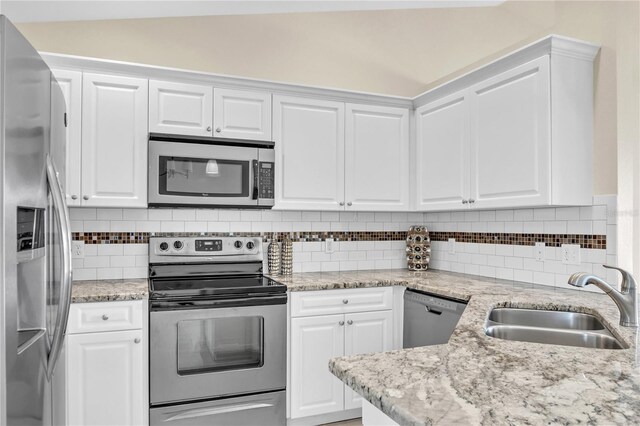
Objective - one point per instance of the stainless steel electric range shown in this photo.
(217, 339)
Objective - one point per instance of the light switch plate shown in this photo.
(452, 246)
(77, 249)
(539, 251)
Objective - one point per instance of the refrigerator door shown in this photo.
(35, 291)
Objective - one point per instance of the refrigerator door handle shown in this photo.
(65, 282)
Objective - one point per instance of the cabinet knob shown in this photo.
(208, 128)
(349, 203)
(350, 322)
(471, 201)
(341, 323)
(464, 201)
(74, 197)
(345, 301)
(218, 129)
(104, 317)
(341, 203)
(85, 197)
(136, 340)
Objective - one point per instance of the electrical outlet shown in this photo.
(77, 249)
(452, 246)
(328, 245)
(539, 251)
(571, 254)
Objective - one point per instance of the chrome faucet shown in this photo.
(626, 300)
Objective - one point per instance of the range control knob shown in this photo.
(238, 244)
(177, 245)
(164, 246)
(250, 245)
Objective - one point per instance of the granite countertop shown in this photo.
(476, 379)
(109, 290)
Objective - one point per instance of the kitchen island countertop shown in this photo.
(476, 379)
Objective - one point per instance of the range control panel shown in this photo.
(204, 246)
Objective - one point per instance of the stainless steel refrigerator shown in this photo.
(35, 268)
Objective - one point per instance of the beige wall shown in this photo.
(392, 52)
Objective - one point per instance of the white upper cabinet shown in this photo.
(242, 114)
(511, 138)
(71, 85)
(114, 141)
(517, 132)
(309, 144)
(180, 108)
(442, 153)
(376, 158)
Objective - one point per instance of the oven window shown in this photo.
(203, 177)
(218, 344)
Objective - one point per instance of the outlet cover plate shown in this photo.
(452, 246)
(77, 249)
(570, 254)
(539, 251)
(329, 245)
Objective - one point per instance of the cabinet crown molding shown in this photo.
(554, 45)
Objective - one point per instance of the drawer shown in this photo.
(324, 302)
(105, 316)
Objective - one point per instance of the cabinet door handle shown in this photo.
(471, 201)
(464, 201)
(136, 340)
(105, 317)
(350, 322)
(341, 203)
(349, 203)
(345, 301)
(74, 197)
(208, 128)
(85, 197)
(341, 323)
(218, 129)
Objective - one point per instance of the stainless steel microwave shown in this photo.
(210, 172)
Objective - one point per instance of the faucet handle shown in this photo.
(628, 282)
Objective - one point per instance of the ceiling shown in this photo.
(23, 11)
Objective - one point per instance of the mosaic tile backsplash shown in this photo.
(493, 243)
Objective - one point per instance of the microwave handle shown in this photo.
(255, 180)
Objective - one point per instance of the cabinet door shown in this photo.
(105, 378)
(376, 158)
(241, 114)
(71, 84)
(366, 332)
(309, 136)
(314, 341)
(179, 108)
(442, 153)
(511, 138)
(114, 141)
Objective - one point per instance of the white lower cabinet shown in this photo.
(106, 370)
(316, 339)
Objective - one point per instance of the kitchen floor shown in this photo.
(352, 422)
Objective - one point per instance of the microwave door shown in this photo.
(198, 174)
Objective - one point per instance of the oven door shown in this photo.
(212, 352)
(202, 174)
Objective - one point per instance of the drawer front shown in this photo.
(325, 302)
(105, 316)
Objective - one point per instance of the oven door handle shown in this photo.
(255, 180)
(204, 412)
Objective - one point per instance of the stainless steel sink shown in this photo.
(550, 327)
(546, 319)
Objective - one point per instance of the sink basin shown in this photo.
(546, 319)
(550, 327)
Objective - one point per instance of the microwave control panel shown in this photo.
(267, 180)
